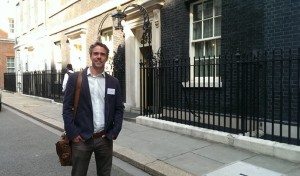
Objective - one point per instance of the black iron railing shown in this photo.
(10, 82)
(255, 94)
(43, 84)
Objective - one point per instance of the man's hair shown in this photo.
(98, 44)
(69, 67)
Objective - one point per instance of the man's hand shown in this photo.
(78, 139)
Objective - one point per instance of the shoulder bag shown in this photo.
(63, 145)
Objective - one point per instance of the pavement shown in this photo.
(162, 152)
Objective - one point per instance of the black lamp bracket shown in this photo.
(101, 25)
(146, 38)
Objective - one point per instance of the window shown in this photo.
(205, 38)
(77, 53)
(21, 17)
(41, 11)
(10, 64)
(31, 14)
(17, 17)
(11, 23)
(57, 56)
(28, 14)
(77, 45)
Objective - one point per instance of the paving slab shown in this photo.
(161, 144)
(294, 172)
(243, 169)
(196, 164)
(223, 153)
(275, 164)
(134, 127)
(167, 169)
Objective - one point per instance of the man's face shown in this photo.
(98, 57)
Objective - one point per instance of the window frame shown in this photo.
(31, 12)
(197, 80)
(8, 61)
(77, 53)
(41, 4)
(11, 24)
(57, 56)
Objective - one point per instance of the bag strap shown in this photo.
(77, 92)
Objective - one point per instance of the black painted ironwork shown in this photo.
(118, 63)
(10, 82)
(45, 84)
(101, 25)
(254, 95)
(149, 81)
(121, 15)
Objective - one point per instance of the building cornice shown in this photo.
(149, 5)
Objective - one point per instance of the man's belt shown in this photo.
(98, 134)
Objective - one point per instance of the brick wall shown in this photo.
(282, 24)
(175, 30)
(3, 34)
(6, 50)
(250, 26)
(260, 25)
(242, 25)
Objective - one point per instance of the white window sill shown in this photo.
(196, 84)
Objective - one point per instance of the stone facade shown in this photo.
(68, 29)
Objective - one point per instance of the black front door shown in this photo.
(147, 77)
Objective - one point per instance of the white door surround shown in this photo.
(133, 32)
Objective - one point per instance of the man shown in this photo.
(69, 71)
(99, 115)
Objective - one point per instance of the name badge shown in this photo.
(111, 91)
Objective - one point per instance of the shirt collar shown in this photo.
(88, 73)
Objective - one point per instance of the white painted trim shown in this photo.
(76, 32)
(8, 40)
(132, 51)
(206, 39)
(191, 48)
(203, 83)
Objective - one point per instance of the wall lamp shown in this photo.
(120, 15)
(117, 19)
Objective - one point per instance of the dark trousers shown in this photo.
(82, 152)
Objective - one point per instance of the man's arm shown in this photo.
(66, 76)
(68, 103)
